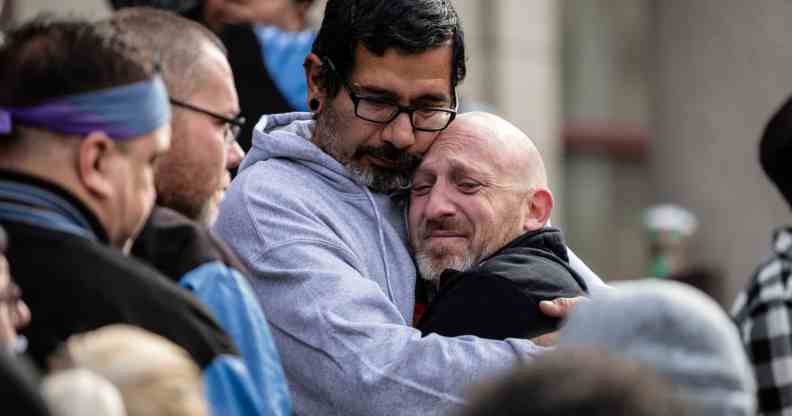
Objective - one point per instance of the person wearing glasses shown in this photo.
(190, 179)
(317, 214)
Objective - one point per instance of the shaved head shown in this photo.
(181, 43)
(519, 157)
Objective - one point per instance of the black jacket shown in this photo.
(75, 283)
(499, 298)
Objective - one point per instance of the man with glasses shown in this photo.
(190, 180)
(317, 213)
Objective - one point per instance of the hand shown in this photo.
(560, 307)
(547, 340)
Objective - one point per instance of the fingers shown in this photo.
(546, 340)
(560, 307)
(20, 314)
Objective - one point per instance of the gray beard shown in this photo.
(430, 269)
(378, 180)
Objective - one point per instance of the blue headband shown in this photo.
(122, 112)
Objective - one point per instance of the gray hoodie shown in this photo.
(680, 332)
(333, 274)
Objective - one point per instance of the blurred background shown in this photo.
(633, 103)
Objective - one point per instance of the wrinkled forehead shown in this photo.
(464, 149)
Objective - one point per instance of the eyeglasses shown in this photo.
(232, 125)
(381, 111)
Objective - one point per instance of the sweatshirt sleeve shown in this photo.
(345, 347)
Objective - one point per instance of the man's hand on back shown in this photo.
(556, 308)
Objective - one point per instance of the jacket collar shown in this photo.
(39, 202)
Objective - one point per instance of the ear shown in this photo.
(313, 77)
(94, 162)
(537, 207)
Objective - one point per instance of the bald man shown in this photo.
(479, 208)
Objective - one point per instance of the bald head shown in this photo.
(481, 185)
(512, 153)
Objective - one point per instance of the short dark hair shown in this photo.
(574, 381)
(775, 150)
(411, 26)
(49, 58)
(177, 40)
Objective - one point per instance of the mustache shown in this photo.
(402, 159)
(443, 223)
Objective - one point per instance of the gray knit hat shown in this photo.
(678, 330)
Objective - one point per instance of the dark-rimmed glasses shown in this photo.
(232, 125)
(378, 110)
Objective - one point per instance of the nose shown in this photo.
(234, 155)
(439, 204)
(399, 132)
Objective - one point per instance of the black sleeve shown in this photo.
(488, 305)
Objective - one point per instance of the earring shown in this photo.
(313, 104)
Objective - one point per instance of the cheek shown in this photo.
(414, 215)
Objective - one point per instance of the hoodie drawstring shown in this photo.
(381, 233)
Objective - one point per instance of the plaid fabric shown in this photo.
(763, 313)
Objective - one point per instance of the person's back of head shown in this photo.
(775, 150)
(49, 58)
(154, 376)
(77, 392)
(578, 382)
(409, 27)
(678, 331)
(81, 107)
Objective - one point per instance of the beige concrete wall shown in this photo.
(514, 65)
(26, 9)
(720, 67)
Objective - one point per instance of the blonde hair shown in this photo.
(155, 376)
(78, 391)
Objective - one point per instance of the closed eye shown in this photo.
(420, 190)
(469, 187)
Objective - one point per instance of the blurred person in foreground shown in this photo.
(154, 376)
(312, 215)
(676, 330)
(79, 392)
(190, 180)
(763, 311)
(479, 206)
(585, 382)
(84, 116)
(14, 313)
(20, 388)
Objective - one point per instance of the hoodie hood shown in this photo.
(680, 332)
(288, 136)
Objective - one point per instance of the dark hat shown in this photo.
(775, 150)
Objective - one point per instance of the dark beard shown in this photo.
(378, 179)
